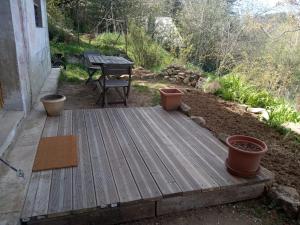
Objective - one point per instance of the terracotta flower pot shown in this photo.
(170, 98)
(53, 104)
(244, 155)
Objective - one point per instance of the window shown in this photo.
(38, 13)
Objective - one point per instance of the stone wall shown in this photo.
(24, 53)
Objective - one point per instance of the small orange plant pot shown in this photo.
(170, 98)
(244, 155)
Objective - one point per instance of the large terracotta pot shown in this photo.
(170, 98)
(53, 104)
(244, 155)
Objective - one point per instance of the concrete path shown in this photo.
(13, 188)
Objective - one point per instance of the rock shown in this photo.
(256, 110)
(181, 74)
(243, 106)
(265, 115)
(169, 71)
(194, 76)
(193, 83)
(172, 79)
(186, 80)
(286, 197)
(199, 83)
(164, 74)
(185, 109)
(148, 76)
(295, 127)
(199, 120)
(166, 77)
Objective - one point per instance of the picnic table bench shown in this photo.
(109, 65)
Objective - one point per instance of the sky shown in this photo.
(260, 6)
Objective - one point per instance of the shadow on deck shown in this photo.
(134, 163)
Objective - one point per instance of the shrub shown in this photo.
(144, 51)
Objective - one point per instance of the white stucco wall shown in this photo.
(30, 58)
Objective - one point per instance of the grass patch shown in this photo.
(141, 88)
(74, 73)
(234, 88)
(72, 48)
(156, 98)
(149, 88)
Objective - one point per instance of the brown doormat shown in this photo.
(56, 152)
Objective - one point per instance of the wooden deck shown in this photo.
(134, 163)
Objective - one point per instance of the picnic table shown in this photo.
(109, 65)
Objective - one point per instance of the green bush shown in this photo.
(110, 43)
(146, 52)
(235, 88)
(72, 48)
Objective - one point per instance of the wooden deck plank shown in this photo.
(143, 178)
(84, 195)
(106, 192)
(43, 193)
(202, 153)
(36, 201)
(160, 173)
(61, 185)
(126, 186)
(30, 196)
(179, 169)
(181, 149)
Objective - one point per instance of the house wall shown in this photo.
(24, 53)
(8, 60)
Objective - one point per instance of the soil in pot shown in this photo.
(247, 146)
(53, 104)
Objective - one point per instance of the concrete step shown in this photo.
(10, 124)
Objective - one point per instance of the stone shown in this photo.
(186, 80)
(199, 84)
(187, 110)
(172, 79)
(181, 74)
(255, 110)
(244, 106)
(265, 115)
(166, 77)
(199, 120)
(148, 76)
(169, 71)
(193, 83)
(295, 127)
(286, 197)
